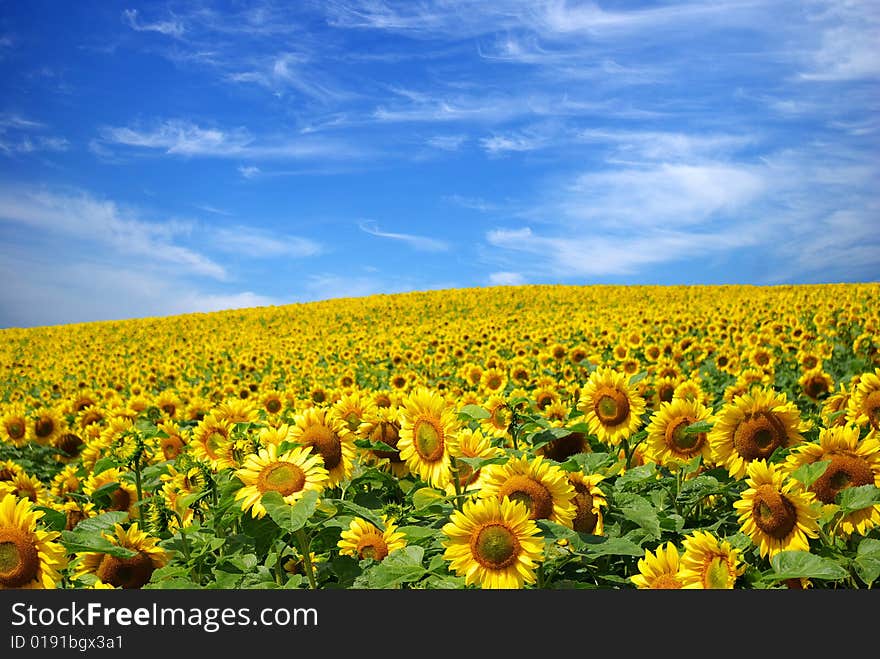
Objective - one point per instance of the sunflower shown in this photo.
(330, 438)
(353, 407)
(668, 443)
(175, 441)
(29, 557)
(25, 486)
(427, 426)
(659, 570)
(364, 540)
(816, 383)
(834, 407)
(290, 474)
(169, 403)
(664, 389)
(773, 514)
(751, 427)
(709, 562)
(272, 402)
(493, 380)
(176, 486)
(470, 444)
(66, 481)
(542, 486)
(127, 573)
(212, 442)
(9, 470)
(498, 421)
(852, 463)
(381, 424)
(588, 501)
(14, 425)
(75, 512)
(493, 543)
(46, 424)
(612, 409)
(864, 404)
(236, 410)
(123, 498)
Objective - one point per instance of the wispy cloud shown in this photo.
(19, 135)
(184, 138)
(81, 217)
(249, 171)
(848, 48)
(506, 279)
(421, 243)
(256, 243)
(172, 27)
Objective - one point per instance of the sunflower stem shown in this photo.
(138, 487)
(458, 498)
(304, 543)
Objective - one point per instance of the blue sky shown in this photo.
(171, 157)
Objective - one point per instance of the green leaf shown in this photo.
(810, 472)
(367, 514)
(637, 475)
(52, 520)
(858, 498)
(103, 465)
(474, 412)
(616, 547)
(290, 518)
(698, 427)
(867, 560)
(427, 496)
(417, 533)
(639, 510)
(638, 377)
(374, 446)
(101, 496)
(796, 564)
(401, 566)
(479, 463)
(100, 523)
(77, 541)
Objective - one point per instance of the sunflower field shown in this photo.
(554, 437)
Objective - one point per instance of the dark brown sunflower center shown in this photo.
(282, 477)
(665, 391)
(563, 448)
(585, 519)
(681, 442)
(43, 427)
(6, 474)
(612, 406)
(120, 499)
(74, 517)
(15, 429)
(872, 409)
(774, 514)
(352, 420)
(273, 405)
(758, 435)
(388, 433)
(530, 492)
(815, 386)
(495, 547)
(843, 472)
(132, 572)
(70, 443)
(428, 440)
(19, 559)
(326, 442)
(372, 545)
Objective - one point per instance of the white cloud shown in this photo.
(329, 286)
(78, 216)
(506, 279)
(171, 28)
(249, 171)
(17, 136)
(421, 243)
(849, 47)
(258, 243)
(447, 142)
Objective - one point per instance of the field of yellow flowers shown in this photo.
(556, 437)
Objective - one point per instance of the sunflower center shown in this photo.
(815, 387)
(872, 408)
(612, 406)
(171, 447)
(282, 477)
(717, 575)
(213, 443)
(585, 519)
(757, 436)
(499, 417)
(843, 472)
(680, 441)
(15, 429)
(530, 492)
(19, 560)
(132, 572)
(666, 582)
(120, 499)
(387, 433)
(495, 547)
(372, 545)
(326, 442)
(428, 440)
(563, 448)
(273, 405)
(352, 420)
(70, 443)
(665, 392)
(773, 513)
(44, 427)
